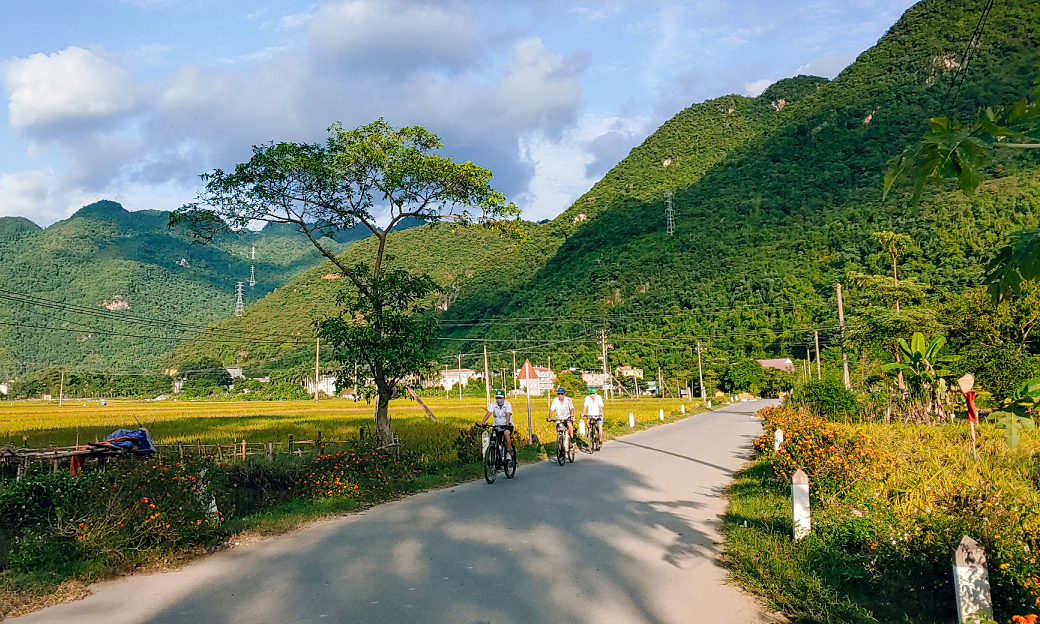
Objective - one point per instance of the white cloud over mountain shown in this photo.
(73, 85)
(507, 85)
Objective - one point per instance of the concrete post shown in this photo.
(660, 414)
(800, 503)
(778, 439)
(971, 582)
(631, 419)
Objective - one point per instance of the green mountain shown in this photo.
(774, 200)
(120, 267)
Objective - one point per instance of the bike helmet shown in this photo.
(499, 394)
(592, 390)
(561, 390)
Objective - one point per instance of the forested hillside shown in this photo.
(775, 200)
(125, 264)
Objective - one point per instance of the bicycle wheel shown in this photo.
(491, 464)
(511, 463)
(570, 449)
(561, 457)
(593, 438)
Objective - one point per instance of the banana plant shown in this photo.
(923, 367)
(1017, 412)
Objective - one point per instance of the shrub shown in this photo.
(828, 398)
(833, 457)
(363, 467)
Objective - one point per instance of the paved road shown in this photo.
(626, 535)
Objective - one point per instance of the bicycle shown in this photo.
(595, 443)
(497, 458)
(564, 448)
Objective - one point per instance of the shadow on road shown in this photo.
(699, 461)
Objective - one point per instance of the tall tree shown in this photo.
(361, 177)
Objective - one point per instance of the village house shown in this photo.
(452, 376)
(780, 364)
(535, 379)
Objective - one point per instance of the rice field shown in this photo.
(39, 424)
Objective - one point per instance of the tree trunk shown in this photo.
(382, 417)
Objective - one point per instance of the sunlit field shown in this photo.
(44, 423)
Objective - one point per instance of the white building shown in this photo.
(326, 384)
(452, 376)
(596, 380)
(5, 387)
(538, 378)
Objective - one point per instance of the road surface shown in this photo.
(627, 535)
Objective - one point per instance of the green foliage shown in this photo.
(382, 326)
(998, 369)
(1018, 412)
(828, 398)
(745, 375)
(574, 385)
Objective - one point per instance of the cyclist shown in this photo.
(564, 408)
(503, 413)
(594, 410)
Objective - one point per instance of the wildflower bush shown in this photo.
(833, 457)
(362, 467)
(890, 501)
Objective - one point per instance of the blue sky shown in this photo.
(132, 99)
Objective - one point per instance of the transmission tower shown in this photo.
(669, 213)
(240, 307)
(252, 269)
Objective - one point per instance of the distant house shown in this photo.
(780, 364)
(326, 384)
(452, 376)
(629, 371)
(535, 379)
(235, 372)
(5, 388)
(596, 380)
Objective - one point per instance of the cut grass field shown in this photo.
(170, 422)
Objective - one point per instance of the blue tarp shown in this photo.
(132, 439)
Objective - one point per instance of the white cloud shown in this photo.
(34, 194)
(564, 169)
(378, 35)
(827, 66)
(71, 85)
(755, 89)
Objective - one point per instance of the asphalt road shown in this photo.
(625, 535)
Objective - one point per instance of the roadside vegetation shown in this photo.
(889, 502)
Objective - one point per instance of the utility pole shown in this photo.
(317, 357)
(487, 379)
(606, 373)
(61, 388)
(458, 377)
(844, 356)
(660, 382)
(446, 390)
(700, 372)
(356, 384)
(514, 371)
(816, 335)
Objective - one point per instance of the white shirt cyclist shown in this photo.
(503, 413)
(564, 409)
(594, 406)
